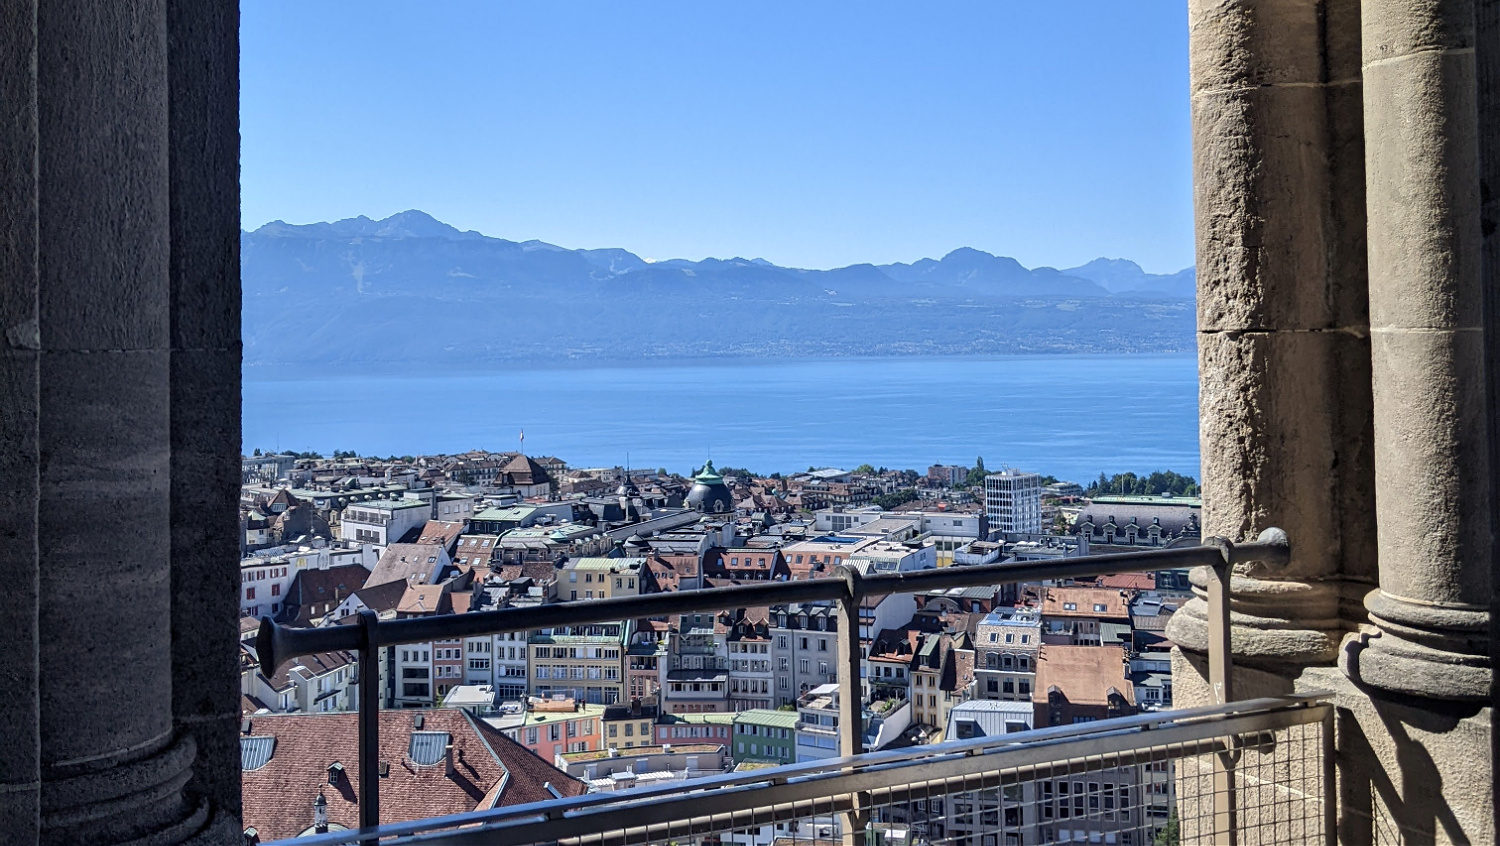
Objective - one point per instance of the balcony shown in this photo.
(1235, 771)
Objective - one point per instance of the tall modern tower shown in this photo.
(1013, 501)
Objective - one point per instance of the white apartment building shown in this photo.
(1013, 501)
(929, 520)
(412, 677)
(308, 684)
(1006, 643)
(266, 575)
(498, 661)
(383, 521)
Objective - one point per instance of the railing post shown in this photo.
(1330, 781)
(1221, 680)
(369, 723)
(851, 702)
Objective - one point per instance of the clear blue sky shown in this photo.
(810, 134)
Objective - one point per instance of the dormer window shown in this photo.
(1099, 606)
(335, 772)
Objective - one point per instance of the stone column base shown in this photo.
(1277, 623)
(1431, 651)
(139, 803)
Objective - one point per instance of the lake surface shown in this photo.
(1069, 416)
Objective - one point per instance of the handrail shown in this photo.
(275, 644)
(1201, 730)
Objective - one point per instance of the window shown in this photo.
(250, 593)
(276, 590)
(1070, 606)
(1099, 606)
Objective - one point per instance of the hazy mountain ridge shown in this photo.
(412, 292)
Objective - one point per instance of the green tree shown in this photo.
(865, 469)
(895, 498)
(1157, 483)
(1170, 834)
(976, 474)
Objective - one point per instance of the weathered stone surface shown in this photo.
(1261, 208)
(1432, 441)
(97, 742)
(1270, 427)
(203, 67)
(102, 118)
(1276, 622)
(1409, 771)
(1423, 191)
(104, 535)
(1285, 407)
(1402, 27)
(20, 743)
(1251, 43)
(1431, 467)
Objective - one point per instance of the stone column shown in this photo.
(113, 765)
(203, 74)
(20, 745)
(1432, 466)
(1285, 419)
(118, 343)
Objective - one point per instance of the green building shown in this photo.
(761, 734)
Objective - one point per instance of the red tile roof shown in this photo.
(278, 796)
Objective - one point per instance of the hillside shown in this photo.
(411, 293)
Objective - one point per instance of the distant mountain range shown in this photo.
(411, 293)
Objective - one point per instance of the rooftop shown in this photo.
(1164, 499)
(767, 717)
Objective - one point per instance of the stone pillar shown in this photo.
(1285, 420)
(203, 73)
(112, 763)
(111, 141)
(20, 745)
(1432, 466)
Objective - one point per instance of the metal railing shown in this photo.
(1094, 780)
(276, 644)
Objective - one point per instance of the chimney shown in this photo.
(320, 813)
(448, 754)
(635, 706)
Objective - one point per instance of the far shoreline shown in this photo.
(320, 372)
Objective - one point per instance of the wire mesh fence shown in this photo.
(1256, 773)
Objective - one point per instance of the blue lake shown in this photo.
(1070, 416)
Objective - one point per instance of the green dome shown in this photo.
(708, 475)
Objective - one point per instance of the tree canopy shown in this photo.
(1129, 484)
(895, 498)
